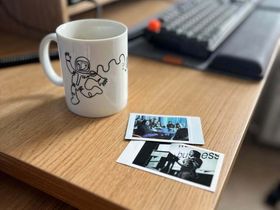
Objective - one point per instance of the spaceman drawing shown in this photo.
(84, 80)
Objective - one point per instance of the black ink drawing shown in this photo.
(86, 81)
(124, 64)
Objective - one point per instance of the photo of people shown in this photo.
(165, 128)
(161, 127)
(181, 162)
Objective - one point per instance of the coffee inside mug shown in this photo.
(91, 29)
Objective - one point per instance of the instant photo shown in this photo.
(165, 128)
(181, 162)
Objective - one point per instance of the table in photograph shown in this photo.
(74, 158)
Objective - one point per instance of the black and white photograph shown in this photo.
(165, 128)
(181, 162)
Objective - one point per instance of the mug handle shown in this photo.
(45, 59)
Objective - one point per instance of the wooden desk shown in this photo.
(74, 158)
(17, 195)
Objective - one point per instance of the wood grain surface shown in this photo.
(74, 158)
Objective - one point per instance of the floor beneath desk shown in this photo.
(254, 175)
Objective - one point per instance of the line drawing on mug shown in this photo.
(86, 81)
(124, 67)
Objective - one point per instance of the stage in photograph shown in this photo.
(181, 162)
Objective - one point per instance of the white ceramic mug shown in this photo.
(93, 57)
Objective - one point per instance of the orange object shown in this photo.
(172, 59)
(154, 25)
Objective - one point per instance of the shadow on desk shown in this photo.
(37, 124)
(36, 118)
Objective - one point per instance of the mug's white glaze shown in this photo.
(93, 57)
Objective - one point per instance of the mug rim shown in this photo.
(59, 28)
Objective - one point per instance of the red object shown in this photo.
(172, 59)
(154, 25)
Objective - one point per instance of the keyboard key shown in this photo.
(198, 27)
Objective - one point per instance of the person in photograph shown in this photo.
(138, 122)
(178, 126)
(154, 122)
(170, 125)
(151, 124)
(144, 129)
(181, 134)
(157, 126)
(189, 166)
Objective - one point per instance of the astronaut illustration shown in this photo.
(84, 80)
